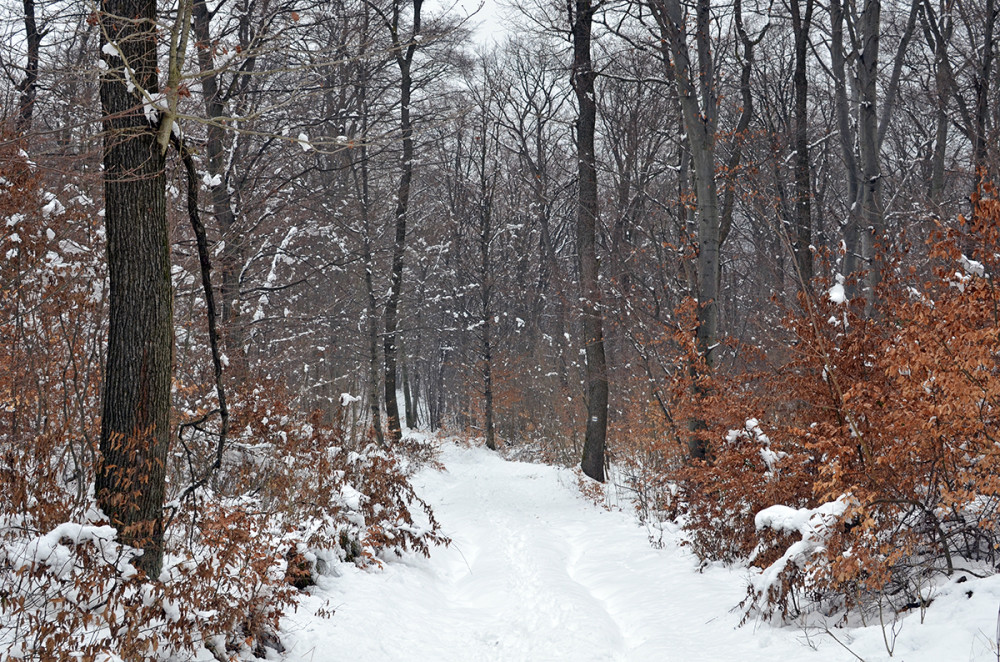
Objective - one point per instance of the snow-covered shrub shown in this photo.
(288, 502)
(815, 527)
(747, 472)
(898, 410)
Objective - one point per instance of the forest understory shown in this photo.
(605, 330)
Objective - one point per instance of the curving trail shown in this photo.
(538, 573)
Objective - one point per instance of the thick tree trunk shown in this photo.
(596, 374)
(374, 360)
(980, 144)
(404, 59)
(939, 38)
(487, 320)
(135, 422)
(742, 125)
(488, 425)
(486, 237)
(865, 228)
(362, 186)
(436, 402)
(872, 213)
(411, 416)
(414, 380)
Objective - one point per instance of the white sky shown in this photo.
(487, 15)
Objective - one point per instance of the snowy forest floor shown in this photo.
(538, 572)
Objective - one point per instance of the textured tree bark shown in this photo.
(362, 185)
(743, 124)
(801, 23)
(414, 381)
(938, 35)
(485, 207)
(872, 213)
(374, 360)
(28, 87)
(135, 423)
(865, 226)
(488, 425)
(596, 373)
(487, 313)
(411, 416)
(404, 59)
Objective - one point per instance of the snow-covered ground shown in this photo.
(537, 572)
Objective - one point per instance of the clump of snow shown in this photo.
(972, 267)
(52, 206)
(815, 525)
(752, 432)
(836, 293)
(52, 552)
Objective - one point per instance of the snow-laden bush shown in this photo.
(899, 411)
(894, 404)
(234, 561)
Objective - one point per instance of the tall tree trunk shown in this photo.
(865, 228)
(414, 380)
(485, 206)
(135, 422)
(853, 260)
(872, 212)
(743, 124)
(436, 402)
(404, 59)
(28, 87)
(980, 144)
(488, 425)
(234, 336)
(374, 360)
(411, 417)
(801, 23)
(596, 374)
(938, 35)
(700, 126)
(487, 313)
(362, 185)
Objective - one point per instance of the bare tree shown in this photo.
(403, 49)
(596, 377)
(698, 97)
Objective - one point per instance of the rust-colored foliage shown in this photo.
(894, 412)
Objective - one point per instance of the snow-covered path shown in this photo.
(536, 572)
